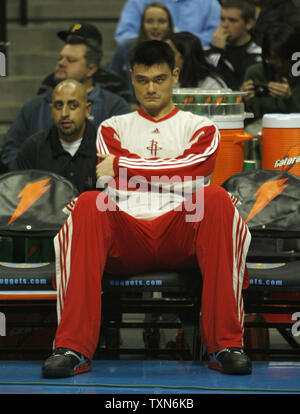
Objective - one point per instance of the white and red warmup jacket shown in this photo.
(155, 161)
(168, 158)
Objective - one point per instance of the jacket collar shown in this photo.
(85, 148)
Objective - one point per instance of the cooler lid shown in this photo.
(229, 122)
(281, 120)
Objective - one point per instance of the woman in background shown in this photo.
(273, 86)
(195, 71)
(156, 24)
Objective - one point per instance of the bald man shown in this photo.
(74, 63)
(70, 109)
(67, 148)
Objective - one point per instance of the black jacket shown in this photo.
(232, 62)
(35, 116)
(44, 151)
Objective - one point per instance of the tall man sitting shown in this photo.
(79, 59)
(154, 214)
(68, 147)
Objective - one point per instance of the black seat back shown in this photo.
(32, 203)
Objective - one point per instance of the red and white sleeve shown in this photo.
(198, 159)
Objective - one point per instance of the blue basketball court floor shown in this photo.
(151, 377)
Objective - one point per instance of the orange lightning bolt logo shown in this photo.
(30, 193)
(266, 193)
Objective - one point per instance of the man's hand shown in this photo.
(220, 38)
(105, 169)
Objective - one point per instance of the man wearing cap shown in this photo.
(108, 79)
(79, 60)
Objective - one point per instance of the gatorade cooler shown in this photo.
(281, 142)
(227, 110)
(230, 159)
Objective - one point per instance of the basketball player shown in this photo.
(157, 212)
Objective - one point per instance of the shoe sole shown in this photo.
(63, 374)
(218, 367)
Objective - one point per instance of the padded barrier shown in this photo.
(176, 281)
(27, 276)
(275, 276)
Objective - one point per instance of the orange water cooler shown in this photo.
(281, 142)
(227, 110)
(230, 159)
(281, 152)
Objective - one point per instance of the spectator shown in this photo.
(276, 11)
(155, 24)
(68, 147)
(233, 50)
(141, 222)
(195, 71)
(271, 85)
(79, 60)
(200, 17)
(105, 77)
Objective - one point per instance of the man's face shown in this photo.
(234, 25)
(72, 64)
(69, 110)
(153, 88)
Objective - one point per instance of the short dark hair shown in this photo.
(152, 52)
(247, 8)
(282, 40)
(94, 49)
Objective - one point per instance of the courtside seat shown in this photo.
(273, 260)
(27, 288)
(154, 294)
(31, 214)
(32, 206)
(270, 204)
(31, 209)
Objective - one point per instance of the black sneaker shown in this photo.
(230, 361)
(64, 363)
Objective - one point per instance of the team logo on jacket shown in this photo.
(154, 147)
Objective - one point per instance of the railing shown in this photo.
(23, 20)
(3, 27)
(23, 12)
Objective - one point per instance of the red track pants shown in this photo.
(92, 240)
